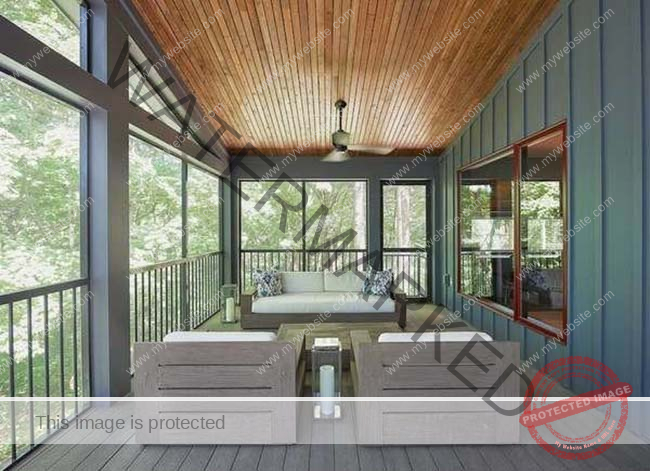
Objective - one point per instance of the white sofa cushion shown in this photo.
(315, 303)
(220, 336)
(348, 281)
(450, 336)
(302, 282)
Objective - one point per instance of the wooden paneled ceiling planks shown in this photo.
(276, 67)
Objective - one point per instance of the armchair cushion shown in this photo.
(454, 336)
(220, 337)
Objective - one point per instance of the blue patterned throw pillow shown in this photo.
(268, 282)
(378, 283)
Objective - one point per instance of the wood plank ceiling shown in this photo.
(250, 40)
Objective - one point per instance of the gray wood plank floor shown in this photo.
(317, 457)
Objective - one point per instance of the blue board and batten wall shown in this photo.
(611, 160)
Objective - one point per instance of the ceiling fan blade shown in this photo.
(337, 156)
(371, 149)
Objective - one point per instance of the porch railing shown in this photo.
(412, 266)
(297, 260)
(44, 353)
(175, 295)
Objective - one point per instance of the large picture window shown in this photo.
(486, 262)
(512, 249)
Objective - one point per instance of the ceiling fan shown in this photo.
(341, 142)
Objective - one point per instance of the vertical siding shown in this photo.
(587, 193)
(557, 98)
(487, 129)
(466, 148)
(475, 138)
(646, 192)
(645, 31)
(501, 118)
(622, 149)
(557, 77)
(612, 159)
(534, 94)
(515, 114)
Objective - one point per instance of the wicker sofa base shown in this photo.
(251, 320)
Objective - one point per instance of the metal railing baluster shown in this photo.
(12, 379)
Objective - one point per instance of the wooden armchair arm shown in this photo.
(297, 341)
(246, 302)
(358, 338)
(364, 355)
(400, 305)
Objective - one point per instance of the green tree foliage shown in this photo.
(44, 20)
(346, 209)
(155, 217)
(203, 212)
(40, 207)
(261, 228)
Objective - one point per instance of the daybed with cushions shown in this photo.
(220, 364)
(393, 365)
(322, 296)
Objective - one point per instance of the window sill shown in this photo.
(537, 327)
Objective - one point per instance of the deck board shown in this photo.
(198, 458)
(297, 458)
(272, 458)
(248, 457)
(346, 458)
(420, 458)
(222, 458)
(316, 457)
(173, 458)
(148, 458)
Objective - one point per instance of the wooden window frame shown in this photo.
(515, 150)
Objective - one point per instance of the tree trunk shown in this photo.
(403, 205)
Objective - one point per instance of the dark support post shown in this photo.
(229, 230)
(374, 221)
(108, 174)
(431, 245)
(185, 308)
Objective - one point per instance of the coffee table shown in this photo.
(339, 330)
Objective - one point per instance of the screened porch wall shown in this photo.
(370, 169)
